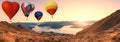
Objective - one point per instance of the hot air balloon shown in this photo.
(51, 7)
(27, 8)
(10, 8)
(38, 15)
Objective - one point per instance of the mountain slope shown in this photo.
(8, 27)
(103, 24)
(105, 30)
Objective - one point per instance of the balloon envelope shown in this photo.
(38, 15)
(51, 7)
(10, 8)
(27, 8)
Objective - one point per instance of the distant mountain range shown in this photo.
(55, 34)
(29, 25)
(55, 25)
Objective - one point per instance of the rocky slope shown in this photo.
(104, 24)
(105, 30)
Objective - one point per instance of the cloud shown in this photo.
(64, 29)
(58, 25)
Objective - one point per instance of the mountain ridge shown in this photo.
(104, 24)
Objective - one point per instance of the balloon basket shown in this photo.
(38, 23)
(52, 16)
(10, 21)
(26, 19)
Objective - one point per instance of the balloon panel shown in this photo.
(51, 11)
(51, 7)
(51, 4)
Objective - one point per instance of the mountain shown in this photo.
(27, 24)
(105, 30)
(55, 34)
(8, 27)
(104, 24)
(56, 25)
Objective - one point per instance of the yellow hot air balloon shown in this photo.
(51, 7)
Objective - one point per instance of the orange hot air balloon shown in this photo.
(10, 8)
(51, 7)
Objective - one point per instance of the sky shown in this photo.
(68, 10)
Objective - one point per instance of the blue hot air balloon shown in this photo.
(38, 15)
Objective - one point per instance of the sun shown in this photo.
(82, 19)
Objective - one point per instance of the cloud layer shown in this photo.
(64, 29)
(68, 27)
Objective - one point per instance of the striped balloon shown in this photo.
(27, 8)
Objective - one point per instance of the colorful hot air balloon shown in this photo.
(38, 15)
(10, 8)
(51, 7)
(27, 8)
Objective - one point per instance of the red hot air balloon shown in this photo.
(51, 7)
(10, 8)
